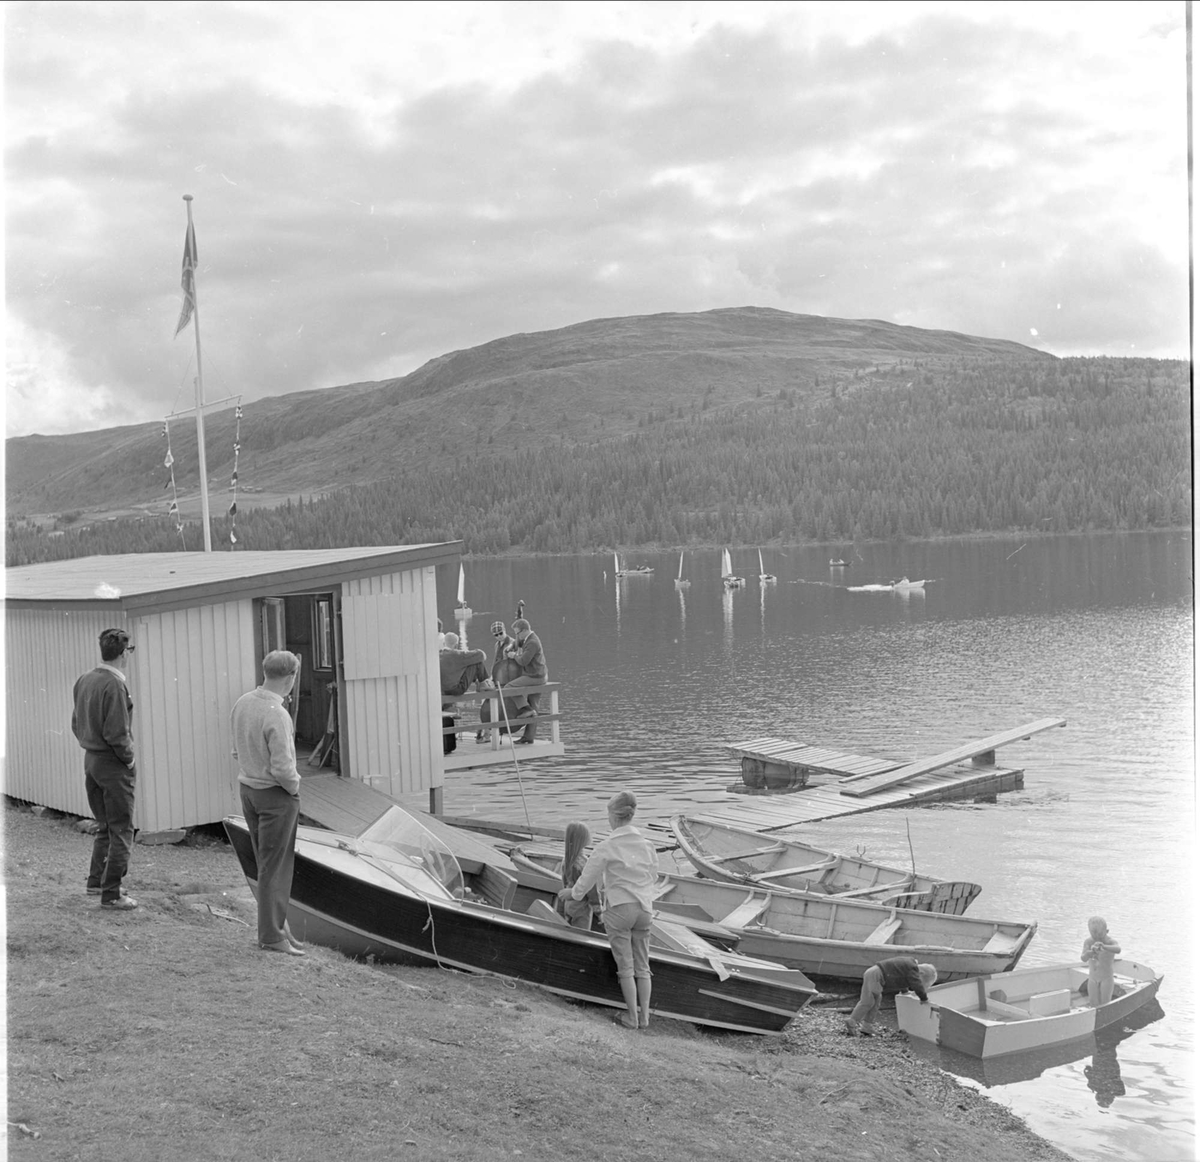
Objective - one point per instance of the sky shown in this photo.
(378, 184)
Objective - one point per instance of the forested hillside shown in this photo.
(980, 444)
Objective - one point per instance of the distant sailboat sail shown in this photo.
(680, 583)
(731, 581)
(764, 577)
(463, 609)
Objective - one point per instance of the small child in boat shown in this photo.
(1099, 952)
(578, 913)
(897, 974)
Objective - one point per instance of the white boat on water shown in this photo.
(637, 571)
(1021, 1010)
(680, 581)
(728, 578)
(764, 578)
(462, 609)
(904, 585)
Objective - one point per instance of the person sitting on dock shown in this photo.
(578, 913)
(897, 974)
(1099, 952)
(504, 669)
(526, 651)
(460, 669)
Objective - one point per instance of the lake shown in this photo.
(1095, 629)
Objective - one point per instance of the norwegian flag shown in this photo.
(188, 281)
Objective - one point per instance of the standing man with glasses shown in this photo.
(269, 784)
(102, 720)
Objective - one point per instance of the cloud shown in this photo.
(946, 169)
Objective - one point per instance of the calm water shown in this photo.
(1097, 630)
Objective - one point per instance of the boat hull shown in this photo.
(983, 1018)
(337, 907)
(735, 855)
(821, 936)
(824, 936)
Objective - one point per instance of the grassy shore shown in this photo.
(164, 1033)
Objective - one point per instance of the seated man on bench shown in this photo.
(459, 670)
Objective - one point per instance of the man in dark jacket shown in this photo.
(898, 974)
(526, 651)
(101, 720)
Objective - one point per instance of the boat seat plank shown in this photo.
(746, 912)
(748, 853)
(496, 886)
(678, 938)
(885, 932)
(1008, 1012)
(1001, 942)
(970, 750)
(811, 870)
(540, 910)
(877, 889)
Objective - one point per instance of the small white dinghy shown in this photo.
(1027, 1008)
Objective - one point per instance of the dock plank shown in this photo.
(807, 756)
(981, 748)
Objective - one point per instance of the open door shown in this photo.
(306, 624)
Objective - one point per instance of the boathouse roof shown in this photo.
(141, 582)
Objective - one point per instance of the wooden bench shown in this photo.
(496, 886)
(982, 753)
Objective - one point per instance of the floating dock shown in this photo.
(833, 784)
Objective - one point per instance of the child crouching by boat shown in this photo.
(897, 974)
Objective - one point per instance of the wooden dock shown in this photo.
(835, 784)
(766, 812)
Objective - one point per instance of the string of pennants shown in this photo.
(169, 464)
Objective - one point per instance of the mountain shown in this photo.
(584, 385)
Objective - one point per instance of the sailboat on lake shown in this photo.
(728, 578)
(680, 582)
(462, 610)
(764, 578)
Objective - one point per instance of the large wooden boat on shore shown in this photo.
(823, 936)
(397, 893)
(737, 855)
(1031, 1008)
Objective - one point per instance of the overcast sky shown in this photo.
(379, 184)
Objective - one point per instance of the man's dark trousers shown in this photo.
(272, 815)
(110, 786)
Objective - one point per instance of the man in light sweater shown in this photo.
(265, 749)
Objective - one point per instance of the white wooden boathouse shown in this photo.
(364, 621)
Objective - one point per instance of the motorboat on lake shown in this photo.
(398, 893)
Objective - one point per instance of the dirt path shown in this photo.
(164, 1033)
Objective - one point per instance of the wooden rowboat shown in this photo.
(823, 936)
(398, 894)
(1031, 1008)
(738, 855)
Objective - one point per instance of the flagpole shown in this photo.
(199, 399)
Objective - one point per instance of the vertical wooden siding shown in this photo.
(46, 652)
(392, 684)
(190, 666)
